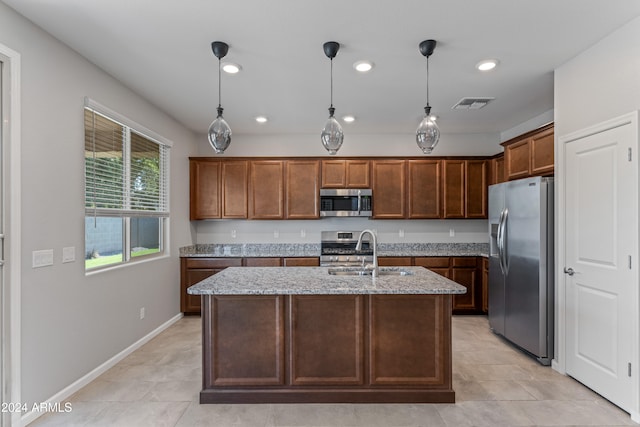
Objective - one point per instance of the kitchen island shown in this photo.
(300, 334)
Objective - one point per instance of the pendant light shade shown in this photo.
(332, 134)
(428, 133)
(219, 131)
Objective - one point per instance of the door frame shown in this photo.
(11, 309)
(559, 362)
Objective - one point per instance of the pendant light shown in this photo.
(332, 135)
(427, 134)
(219, 131)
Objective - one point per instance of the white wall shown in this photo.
(482, 144)
(72, 323)
(599, 84)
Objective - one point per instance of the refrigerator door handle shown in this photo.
(499, 241)
(505, 249)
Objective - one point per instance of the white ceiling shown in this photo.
(161, 50)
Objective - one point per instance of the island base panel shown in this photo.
(327, 349)
(329, 396)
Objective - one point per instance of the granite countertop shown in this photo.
(313, 250)
(317, 281)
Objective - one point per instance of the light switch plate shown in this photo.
(69, 254)
(42, 258)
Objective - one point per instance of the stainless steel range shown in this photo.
(338, 248)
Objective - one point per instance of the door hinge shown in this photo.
(629, 153)
(629, 369)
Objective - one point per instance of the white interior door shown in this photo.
(601, 237)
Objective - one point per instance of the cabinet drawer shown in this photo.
(394, 261)
(262, 262)
(301, 262)
(213, 262)
(441, 262)
(463, 262)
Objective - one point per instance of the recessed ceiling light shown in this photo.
(261, 119)
(348, 119)
(487, 64)
(363, 66)
(231, 68)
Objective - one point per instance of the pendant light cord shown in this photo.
(331, 82)
(219, 86)
(428, 81)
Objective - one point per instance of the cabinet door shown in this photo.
(424, 188)
(453, 188)
(234, 189)
(517, 160)
(485, 285)
(334, 174)
(439, 265)
(266, 189)
(497, 170)
(542, 148)
(192, 271)
(467, 278)
(389, 193)
(204, 186)
(476, 188)
(358, 174)
(302, 187)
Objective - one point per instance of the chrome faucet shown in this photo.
(374, 271)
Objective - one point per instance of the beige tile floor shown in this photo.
(495, 385)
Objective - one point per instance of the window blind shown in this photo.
(126, 172)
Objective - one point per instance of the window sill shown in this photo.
(127, 264)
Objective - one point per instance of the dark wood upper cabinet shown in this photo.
(453, 178)
(530, 154)
(496, 170)
(204, 189)
(346, 174)
(424, 188)
(476, 189)
(266, 189)
(302, 189)
(389, 189)
(542, 152)
(234, 189)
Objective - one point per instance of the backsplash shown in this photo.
(308, 232)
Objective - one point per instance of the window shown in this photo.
(126, 189)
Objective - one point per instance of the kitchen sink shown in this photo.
(356, 271)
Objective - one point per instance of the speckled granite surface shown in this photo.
(317, 281)
(313, 250)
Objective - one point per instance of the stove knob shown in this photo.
(348, 259)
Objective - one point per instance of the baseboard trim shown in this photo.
(66, 392)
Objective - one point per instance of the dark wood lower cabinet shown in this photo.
(327, 348)
(194, 270)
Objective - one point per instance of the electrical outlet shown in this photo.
(42, 258)
(401, 233)
(141, 313)
(233, 234)
(276, 234)
(303, 233)
(452, 232)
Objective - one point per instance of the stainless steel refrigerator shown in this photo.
(521, 285)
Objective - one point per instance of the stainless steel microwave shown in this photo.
(345, 202)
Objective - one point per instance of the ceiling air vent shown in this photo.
(472, 103)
